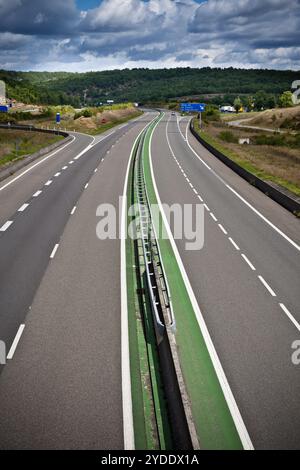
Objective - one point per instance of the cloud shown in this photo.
(55, 34)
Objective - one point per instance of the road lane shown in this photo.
(251, 333)
(63, 387)
(26, 243)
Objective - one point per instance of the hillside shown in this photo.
(143, 85)
(288, 118)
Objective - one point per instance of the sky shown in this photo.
(84, 35)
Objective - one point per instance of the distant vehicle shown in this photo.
(227, 109)
(173, 113)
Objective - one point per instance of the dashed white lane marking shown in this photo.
(248, 262)
(290, 316)
(213, 216)
(73, 210)
(86, 185)
(206, 207)
(234, 244)
(54, 251)
(64, 167)
(15, 342)
(6, 225)
(264, 218)
(71, 162)
(195, 191)
(264, 282)
(37, 193)
(223, 229)
(23, 207)
(48, 183)
(102, 159)
(57, 174)
(95, 170)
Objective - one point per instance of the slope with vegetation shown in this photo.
(144, 85)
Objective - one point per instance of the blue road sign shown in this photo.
(192, 107)
(58, 118)
(3, 109)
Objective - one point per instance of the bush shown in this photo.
(276, 139)
(211, 113)
(228, 136)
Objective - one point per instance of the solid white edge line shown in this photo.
(290, 316)
(54, 251)
(15, 342)
(23, 207)
(248, 262)
(273, 226)
(232, 405)
(264, 282)
(36, 164)
(6, 225)
(128, 429)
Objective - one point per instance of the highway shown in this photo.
(62, 387)
(61, 290)
(245, 279)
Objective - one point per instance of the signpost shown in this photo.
(193, 108)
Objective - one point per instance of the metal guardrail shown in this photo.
(156, 279)
(288, 201)
(184, 436)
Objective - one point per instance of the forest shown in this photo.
(145, 85)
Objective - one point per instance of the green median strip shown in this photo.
(212, 417)
(151, 428)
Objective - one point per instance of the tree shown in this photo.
(237, 104)
(286, 99)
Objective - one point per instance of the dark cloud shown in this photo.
(55, 34)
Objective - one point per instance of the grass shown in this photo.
(277, 163)
(213, 421)
(16, 144)
(89, 120)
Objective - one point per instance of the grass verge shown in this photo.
(16, 144)
(254, 163)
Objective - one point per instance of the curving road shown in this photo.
(62, 388)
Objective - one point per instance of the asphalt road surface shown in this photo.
(62, 389)
(246, 281)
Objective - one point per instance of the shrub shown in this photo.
(228, 136)
(276, 139)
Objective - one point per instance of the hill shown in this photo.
(142, 85)
(287, 118)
